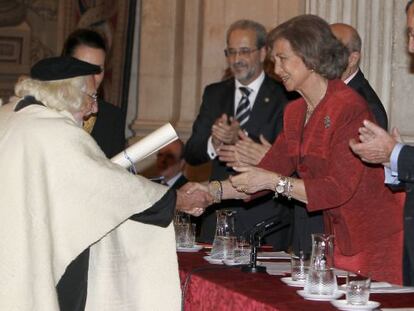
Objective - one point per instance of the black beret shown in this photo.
(62, 67)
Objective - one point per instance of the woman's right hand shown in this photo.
(253, 179)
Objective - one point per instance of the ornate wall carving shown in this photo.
(27, 34)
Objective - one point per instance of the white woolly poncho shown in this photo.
(59, 194)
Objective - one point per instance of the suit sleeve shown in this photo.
(196, 147)
(109, 130)
(406, 164)
(161, 213)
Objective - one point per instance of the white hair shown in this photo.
(66, 94)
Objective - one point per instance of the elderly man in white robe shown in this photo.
(50, 212)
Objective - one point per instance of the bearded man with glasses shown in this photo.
(250, 101)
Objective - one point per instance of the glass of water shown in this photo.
(321, 282)
(242, 250)
(357, 289)
(299, 266)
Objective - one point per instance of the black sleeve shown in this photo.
(73, 285)
(406, 164)
(109, 129)
(161, 213)
(195, 151)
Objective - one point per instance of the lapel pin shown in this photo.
(327, 122)
(266, 99)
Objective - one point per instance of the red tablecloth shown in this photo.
(218, 287)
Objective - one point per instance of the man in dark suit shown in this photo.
(377, 146)
(170, 165)
(107, 127)
(250, 101)
(353, 75)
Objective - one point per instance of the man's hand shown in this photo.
(245, 152)
(193, 199)
(224, 131)
(375, 144)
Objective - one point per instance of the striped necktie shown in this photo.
(243, 109)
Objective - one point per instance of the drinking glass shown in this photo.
(321, 282)
(181, 218)
(185, 235)
(242, 250)
(299, 266)
(357, 289)
(224, 247)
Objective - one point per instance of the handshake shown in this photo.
(193, 198)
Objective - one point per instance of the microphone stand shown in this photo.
(260, 230)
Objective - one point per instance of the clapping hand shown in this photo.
(245, 152)
(224, 131)
(193, 199)
(375, 144)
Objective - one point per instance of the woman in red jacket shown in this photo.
(362, 213)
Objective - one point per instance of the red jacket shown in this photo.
(362, 213)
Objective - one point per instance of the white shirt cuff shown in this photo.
(391, 178)
(394, 158)
(211, 151)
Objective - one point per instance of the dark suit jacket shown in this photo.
(109, 131)
(266, 118)
(362, 86)
(406, 175)
(180, 182)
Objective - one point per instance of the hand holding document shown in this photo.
(146, 146)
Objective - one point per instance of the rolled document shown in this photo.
(146, 146)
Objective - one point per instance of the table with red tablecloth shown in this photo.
(219, 287)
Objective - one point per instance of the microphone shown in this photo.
(267, 223)
(260, 230)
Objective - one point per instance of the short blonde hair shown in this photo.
(66, 94)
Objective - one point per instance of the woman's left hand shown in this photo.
(253, 179)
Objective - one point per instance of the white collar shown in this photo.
(254, 86)
(351, 77)
(172, 181)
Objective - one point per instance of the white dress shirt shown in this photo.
(254, 88)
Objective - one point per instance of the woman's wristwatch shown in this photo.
(284, 187)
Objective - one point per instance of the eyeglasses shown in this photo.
(94, 96)
(242, 52)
